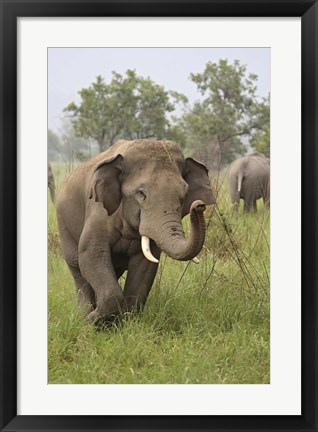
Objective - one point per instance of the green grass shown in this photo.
(205, 323)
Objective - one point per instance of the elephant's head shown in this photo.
(156, 187)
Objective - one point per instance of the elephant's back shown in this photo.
(256, 176)
(257, 167)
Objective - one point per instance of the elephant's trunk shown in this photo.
(169, 236)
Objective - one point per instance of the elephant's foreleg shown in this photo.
(254, 206)
(140, 277)
(250, 206)
(266, 203)
(235, 197)
(266, 199)
(85, 293)
(97, 269)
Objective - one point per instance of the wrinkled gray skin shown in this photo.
(51, 182)
(249, 179)
(134, 189)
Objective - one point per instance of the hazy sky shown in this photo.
(70, 69)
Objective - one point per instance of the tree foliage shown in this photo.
(128, 107)
(54, 146)
(228, 115)
(260, 137)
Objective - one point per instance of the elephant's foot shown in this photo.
(85, 302)
(109, 311)
(103, 322)
(135, 305)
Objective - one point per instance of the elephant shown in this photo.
(51, 182)
(249, 179)
(118, 211)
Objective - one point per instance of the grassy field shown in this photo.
(205, 323)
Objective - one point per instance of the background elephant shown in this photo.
(119, 210)
(51, 182)
(249, 179)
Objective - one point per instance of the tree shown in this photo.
(77, 148)
(152, 106)
(128, 107)
(227, 112)
(104, 110)
(54, 146)
(260, 139)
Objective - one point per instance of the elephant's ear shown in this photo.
(106, 186)
(196, 175)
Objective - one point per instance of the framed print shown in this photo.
(209, 354)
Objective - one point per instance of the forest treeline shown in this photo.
(227, 120)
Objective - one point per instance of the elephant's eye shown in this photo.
(141, 195)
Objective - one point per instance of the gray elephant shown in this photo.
(51, 182)
(249, 179)
(118, 211)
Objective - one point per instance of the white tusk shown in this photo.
(195, 260)
(145, 246)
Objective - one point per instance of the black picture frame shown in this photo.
(10, 11)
